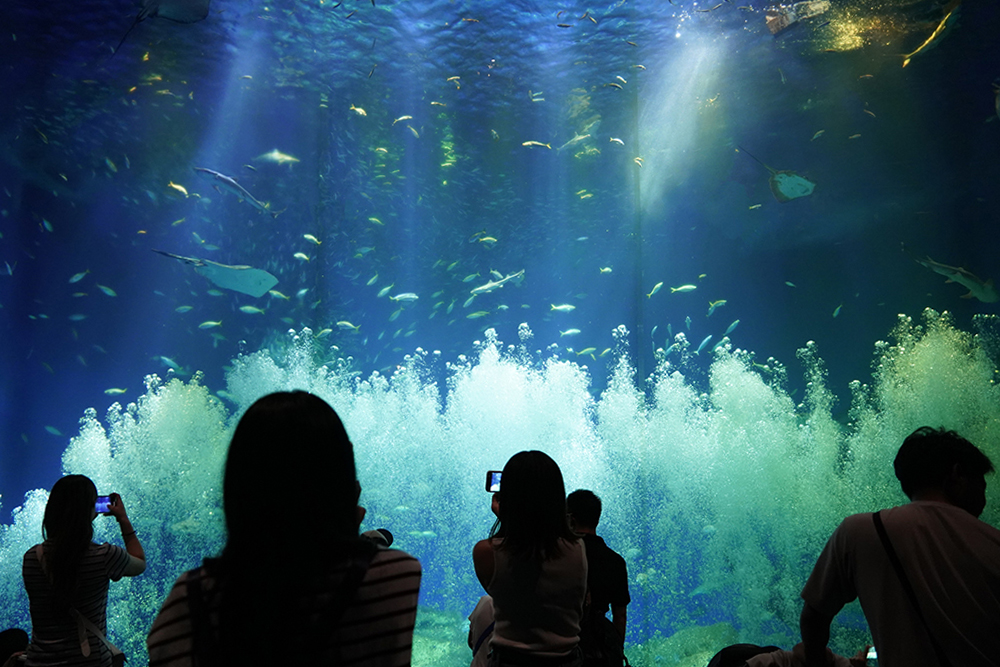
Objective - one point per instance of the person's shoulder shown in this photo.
(855, 521)
(940, 513)
(577, 548)
(850, 530)
(107, 551)
(485, 546)
(199, 575)
(394, 568)
(614, 555)
(395, 558)
(597, 540)
(596, 545)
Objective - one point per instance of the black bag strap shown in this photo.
(894, 559)
(482, 638)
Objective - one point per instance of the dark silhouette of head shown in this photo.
(290, 468)
(584, 507)
(533, 507)
(12, 640)
(941, 461)
(68, 528)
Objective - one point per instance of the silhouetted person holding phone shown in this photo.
(948, 612)
(295, 584)
(536, 571)
(66, 577)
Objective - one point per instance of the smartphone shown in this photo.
(103, 504)
(493, 480)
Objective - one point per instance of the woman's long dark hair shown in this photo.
(533, 507)
(68, 529)
(290, 497)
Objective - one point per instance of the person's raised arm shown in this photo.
(815, 628)
(132, 544)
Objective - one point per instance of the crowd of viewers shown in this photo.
(927, 573)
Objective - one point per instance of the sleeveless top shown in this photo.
(538, 606)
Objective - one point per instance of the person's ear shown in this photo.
(965, 490)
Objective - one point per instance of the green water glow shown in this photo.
(719, 500)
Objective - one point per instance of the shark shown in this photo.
(229, 184)
(278, 157)
(951, 12)
(496, 284)
(984, 291)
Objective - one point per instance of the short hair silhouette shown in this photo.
(585, 507)
(928, 455)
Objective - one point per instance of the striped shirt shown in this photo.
(376, 629)
(54, 639)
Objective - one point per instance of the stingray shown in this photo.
(245, 279)
(178, 11)
(786, 185)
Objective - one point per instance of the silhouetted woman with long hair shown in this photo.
(67, 576)
(535, 569)
(295, 584)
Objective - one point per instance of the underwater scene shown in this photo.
(709, 256)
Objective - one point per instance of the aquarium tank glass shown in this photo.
(709, 256)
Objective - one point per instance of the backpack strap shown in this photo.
(898, 566)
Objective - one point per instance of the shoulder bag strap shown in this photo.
(482, 638)
(894, 559)
(82, 622)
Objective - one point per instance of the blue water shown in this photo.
(93, 145)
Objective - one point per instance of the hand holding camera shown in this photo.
(493, 480)
(111, 505)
